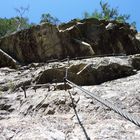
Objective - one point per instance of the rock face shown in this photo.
(138, 36)
(104, 37)
(6, 60)
(136, 61)
(57, 114)
(39, 44)
(77, 38)
(33, 102)
(87, 73)
(35, 44)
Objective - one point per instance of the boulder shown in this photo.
(86, 37)
(36, 44)
(135, 61)
(105, 37)
(7, 61)
(138, 36)
(86, 74)
(41, 43)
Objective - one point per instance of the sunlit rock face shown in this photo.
(33, 45)
(138, 36)
(88, 73)
(49, 112)
(104, 37)
(36, 102)
(6, 60)
(77, 38)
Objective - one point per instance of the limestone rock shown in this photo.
(138, 36)
(136, 61)
(87, 74)
(104, 37)
(7, 61)
(33, 45)
(57, 115)
(74, 39)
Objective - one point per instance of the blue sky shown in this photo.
(66, 10)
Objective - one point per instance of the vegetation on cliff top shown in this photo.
(108, 13)
(20, 22)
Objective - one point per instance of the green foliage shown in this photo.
(48, 18)
(107, 13)
(22, 21)
(8, 26)
(13, 24)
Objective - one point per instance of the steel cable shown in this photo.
(121, 112)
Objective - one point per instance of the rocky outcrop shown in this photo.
(7, 61)
(88, 73)
(138, 36)
(104, 37)
(33, 45)
(56, 114)
(135, 61)
(39, 44)
(77, 38)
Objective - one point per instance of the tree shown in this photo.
(6, 26)
(107, 13)
(13, 24)
(22, 22)
(48, 18)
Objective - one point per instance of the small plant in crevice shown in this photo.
(11, 85)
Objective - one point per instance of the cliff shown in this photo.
(88, 37)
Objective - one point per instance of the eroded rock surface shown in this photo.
(77, 38)
(89, 72)
(7, 61)
(52, 114)
(103, 36)
(136, 61)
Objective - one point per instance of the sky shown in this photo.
(65, 10)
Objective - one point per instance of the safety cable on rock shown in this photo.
(121, 112)
(85, 57)
(77, 116)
